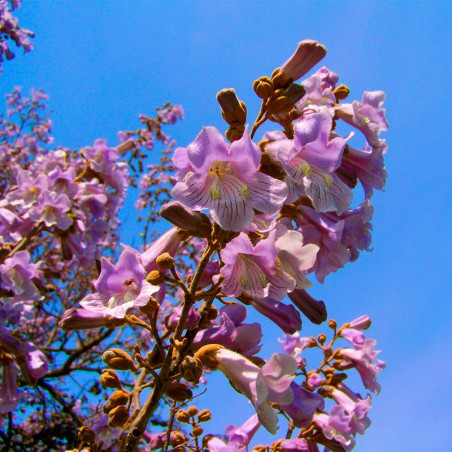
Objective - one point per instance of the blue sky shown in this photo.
(102, 63)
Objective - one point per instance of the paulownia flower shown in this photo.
(225, 179)
(120, 287)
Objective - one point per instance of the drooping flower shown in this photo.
(238, 437)
(225, 179)
(271, 383)
(10, 396)
(121, 287)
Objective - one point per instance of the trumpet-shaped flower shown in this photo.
(225, 179)
(120, 287)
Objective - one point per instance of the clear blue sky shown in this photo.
(104, 62)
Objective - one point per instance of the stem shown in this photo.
(139, 424)
(259, 120)
(170, 426)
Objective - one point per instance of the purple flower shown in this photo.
(310, 160)
(82, 319)
(271, 383)
(225, 179)
(232, 333)
(313, 309)
(247, 269)
(120, 287)
(238, 437)
(52, 209)
(17, 275)
(28, 188)
(10, 396)
(363, 358)
(367, 115)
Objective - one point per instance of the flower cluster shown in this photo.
(251, 221)
(10, 31)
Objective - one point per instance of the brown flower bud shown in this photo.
(198, 430)
(232, 109)
(118, 416)
(182, 416)
(109, 379)
(192, 410)
(332, 324)
(150, 307)
(178, 391)
(321, 338)
(263, 87)
(341, 92)
(117, 398)
(286, 99)
(191, 369)
(165, 261)
(204, 416)
(207, 355)
(155, 278)
(86, 435)
(245, 298)
(118, 359)
(235, 132)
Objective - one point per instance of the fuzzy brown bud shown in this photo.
(191, 369)
(86, 435)
(192, 410)
(109, 379)
(116, 399)
(207, 355)
(118, 416)
(182, 416)
(198, 430)
(204, 415)
(165, 261)
(263, 87)
(321, 338)
(332, 324)
(113, 322)
(118, 359)
(155, 278)
(232, 109)
(235, 132)
(212, 314)
(341, 92)
(178, 391)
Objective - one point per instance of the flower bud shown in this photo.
(178, 391)
(313, 309)
(198, 430)
(113, 322)
(235, 132)
(165, 261)
(321, 338)
(118, 359)
(305, 57)
(155, 278)
(182, 416)
(232, 109)
(204, 415)
(361, 323)
(263, 87)
(191, 369)
(86, 435)
(341, 92)
(117, 398)
(212, 314)
(286, 99)
(109, 379)
(195, 223)
(207, 355)
(192, 410)
(118, 416)
(332, 324)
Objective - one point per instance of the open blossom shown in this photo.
(248, 268)
(52, 209)
(310, 160)
(19, 276)
(225, 179)
(121, 287)
(10, 395)
(238, 437)
(367, 115)
(271, 383)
